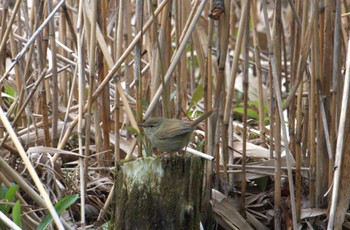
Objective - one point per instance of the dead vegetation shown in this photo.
(78, 76)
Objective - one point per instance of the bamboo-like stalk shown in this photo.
(230, 141)
(31, 40)
(3, 20)
(339, 145)
(71, 30)
(24, 105)
(20, 82)
(31, 169)
(177, 46)
(344, 32)
(42, 106)
(26, 187)
(312, 115)
(175, 60)
(137, 66)
(241, 30)
(91, 33)
(335, 88)
(280, 113)
(163, 53)
(181, 76)
(198, 46)
(219, 94)
(54, 78)
(209, 138)
(63, 80)
(32, 218)
(324, 88)
(299, 109)
(111, 73)
(92, 73)
(129, 72)
(245, 116)
(69, 104)
(81, 90)
(208, 89)
(253, 10)
(106, 158)
(5, 33)
(118, 44)
(276, 84)
(118, 49)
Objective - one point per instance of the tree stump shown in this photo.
(158, 193)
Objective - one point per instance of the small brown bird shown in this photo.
(170, 135)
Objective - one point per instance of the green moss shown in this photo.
(159, 193)
(146, 172)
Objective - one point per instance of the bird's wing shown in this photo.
(173, 132)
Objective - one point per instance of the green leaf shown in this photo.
(10, 197)
(254, 103)
(250, 113)
(16, 214)
(262, 182)
(10, 91)
(61, 206)
(197, 95)
(267, 120)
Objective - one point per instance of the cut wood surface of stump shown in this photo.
(158, 193)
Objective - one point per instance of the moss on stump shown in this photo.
(158, 193)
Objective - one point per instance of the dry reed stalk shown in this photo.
(54, 78)
(113, 69)
(6, 33)
(181, 13)
(129, 72)
(209, 138)
(82, 100)
(175, 60)
(334, 210)
(106, 159)
(109, 46)
(220, 92)
(231, 156)
(31, 170)
(214, 124)
(137, 66)
(63, 79)
(118, 47)
(296, 115)
(91, 34)
(19, 80)
(26, 187)
(335, 87)
(253, 11)
(24, 105)
(324, 86)
(245, 116)
(163, 59)
(277, 94)
(276, 39)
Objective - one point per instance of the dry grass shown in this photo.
(74, 84)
